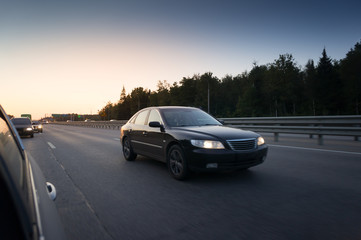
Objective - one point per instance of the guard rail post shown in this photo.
(356, 138)
(276, 136)
(320, 139)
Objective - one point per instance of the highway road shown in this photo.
(302, 191)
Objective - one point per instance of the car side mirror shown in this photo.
(157, 124)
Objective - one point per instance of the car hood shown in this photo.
(223, 132)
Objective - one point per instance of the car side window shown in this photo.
(10, 151)
(140, 120)
(154, 116)
(11, 160)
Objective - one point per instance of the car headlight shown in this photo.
(29, 129)
(208, 144)
(40, 126)
(260, 141)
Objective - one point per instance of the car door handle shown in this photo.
(145, 133)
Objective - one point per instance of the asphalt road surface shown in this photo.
(302, 191)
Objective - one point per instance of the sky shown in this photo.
(74, 56)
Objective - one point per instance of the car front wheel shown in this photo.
(177, 164)
(128, 153)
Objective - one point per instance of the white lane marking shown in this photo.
(51, 145)
(116, 139)
(315, 149)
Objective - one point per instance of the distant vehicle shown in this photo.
(23, 126)
(26, 206)
(87, 120)
(26, 115)
(37, 126)
(188, 139)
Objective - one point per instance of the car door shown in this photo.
(26, 209)
(154, 136)
(137, 135)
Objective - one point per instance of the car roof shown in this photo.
(170, 107)
(21, 118)
(21, 121)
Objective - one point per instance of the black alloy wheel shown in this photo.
(177, 164)
(128, 153)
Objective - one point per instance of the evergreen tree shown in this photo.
(310, 82)
(123, 95)
(252, 101)
(351, 76)
(325, 74)
(328, 86)
(139, 99)
(284, 85)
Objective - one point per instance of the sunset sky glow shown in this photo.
(75, 56)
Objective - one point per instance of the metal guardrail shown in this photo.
(319, 126)
(96, 124)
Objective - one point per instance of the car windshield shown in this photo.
(21, 121)
(188, 117)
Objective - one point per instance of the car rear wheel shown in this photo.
(128, 153)
(177, 163)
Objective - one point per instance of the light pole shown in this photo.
(208, 95)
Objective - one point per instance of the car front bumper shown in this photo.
(25, 132)
(37, 129)
(224, 159)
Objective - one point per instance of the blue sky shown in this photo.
(75, 56)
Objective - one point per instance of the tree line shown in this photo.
(281, 88)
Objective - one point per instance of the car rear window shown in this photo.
(19, 121)
(140, 120)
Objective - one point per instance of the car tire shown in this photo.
(128, 153)
(177, 163)
(32, 135)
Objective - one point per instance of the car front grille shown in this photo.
(242, 144)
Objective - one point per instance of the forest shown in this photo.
(281, 88)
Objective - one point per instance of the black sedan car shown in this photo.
(188, 139)
(23, 126)
(26, 206)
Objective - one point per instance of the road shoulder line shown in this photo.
(315, 149)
